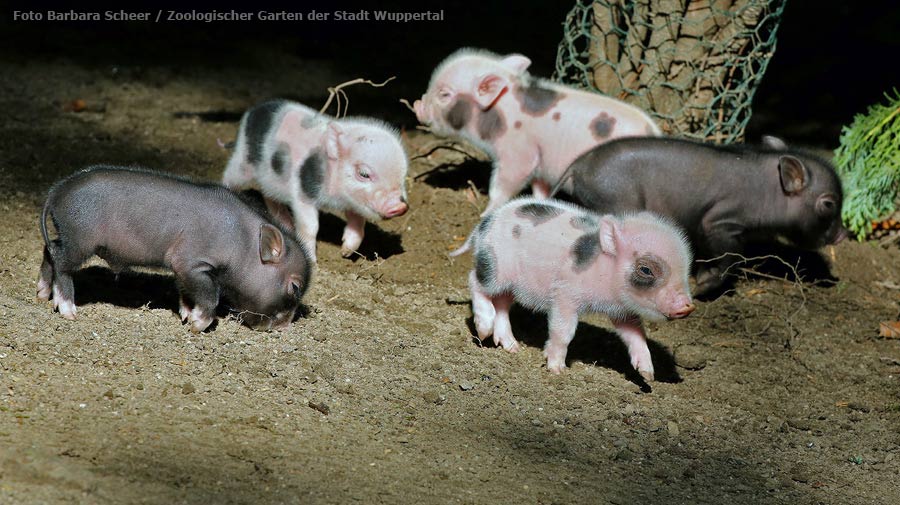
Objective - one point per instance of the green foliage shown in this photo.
(868, 161)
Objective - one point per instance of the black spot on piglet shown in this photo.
(536, 100)
(491, 124)
(485, 224)
(257, 125)
(603, 126)
(647, 270)
(281, 158)
(312, 174)
(584, 223)
(485, 266)
(459, 115)
(538, 213)
(585, 250)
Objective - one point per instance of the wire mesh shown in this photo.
(693, 65)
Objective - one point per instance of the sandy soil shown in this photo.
(777, 393)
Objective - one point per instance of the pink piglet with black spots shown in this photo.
(532, 128)
(558, 258)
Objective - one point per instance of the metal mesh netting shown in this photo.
(693, 65)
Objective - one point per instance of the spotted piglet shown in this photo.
(561, 259)
(302, 161)
(532, 128)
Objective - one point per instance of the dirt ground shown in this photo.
(779, 392)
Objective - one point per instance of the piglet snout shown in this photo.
(397, 210)
(684, 311)
(839, 236)
(419, 107)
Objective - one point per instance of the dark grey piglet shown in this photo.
(216, 244)
(723, 196)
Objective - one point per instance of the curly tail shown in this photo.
(467, 245)
(562, 180)
(44, 213)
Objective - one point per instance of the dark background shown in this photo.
(833, 59)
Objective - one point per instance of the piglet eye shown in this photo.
(826, 206)
(363, 172)
(645, 271)
(294, 290)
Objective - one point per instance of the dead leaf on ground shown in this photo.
(889, 329)
(75, 106)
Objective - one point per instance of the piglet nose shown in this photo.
(841, 235)
(683, 311)
(397, 210)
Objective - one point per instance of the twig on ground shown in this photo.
(794, 331)
(339, 93)
(472, 197)
(407, 104)
(375, 264)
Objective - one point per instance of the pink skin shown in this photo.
(538, 141)
(363, 167)
(534, 262)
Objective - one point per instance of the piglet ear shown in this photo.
(333, 141)
(609, 236)
(773, 142)
(516, 62)
(793, 173)
(488, 88)
(271, 244)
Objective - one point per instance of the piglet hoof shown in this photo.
(647, 375)
(512, 348)
(557, 368)
(43, 291)
(67, 310)
(346, 252)
(484, 329)
(184, 312)
(201, 324)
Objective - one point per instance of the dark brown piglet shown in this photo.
(217, 245)
(723, 196)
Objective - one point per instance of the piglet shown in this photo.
(558, 258)
(723, 196)
(532, 128)
(302, 161)
(216, 244)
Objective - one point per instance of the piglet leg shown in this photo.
(45, 280)
(482, 309)
(195, 283)
(353, 233)
(64, 295)
(562, 324)
(515, 165)
(503, 335)
(631, 331)
(184, 310)
(540, 189)
(306, 221)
